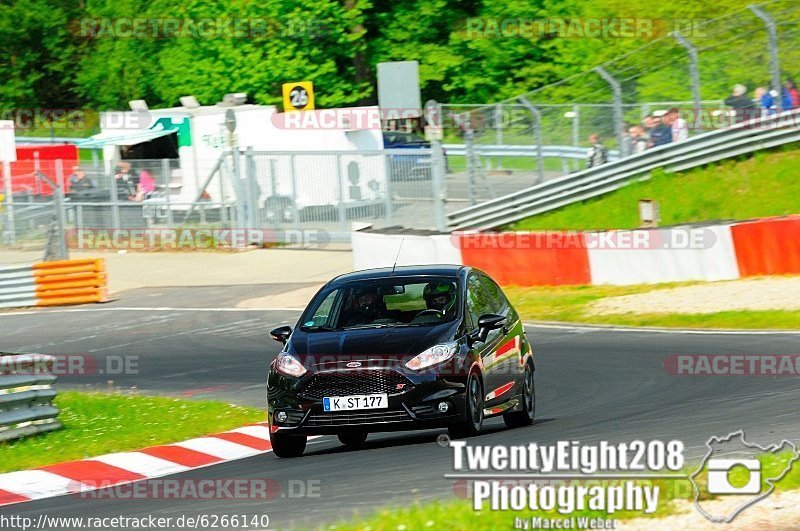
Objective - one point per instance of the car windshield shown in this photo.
(386, 302)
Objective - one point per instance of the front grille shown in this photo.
(355, 418)
(359, 382)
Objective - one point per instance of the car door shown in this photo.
(479, 302)
(508, 353)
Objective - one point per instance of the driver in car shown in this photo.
(440, 297)
(365, 309)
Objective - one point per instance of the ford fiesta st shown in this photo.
(399, 349)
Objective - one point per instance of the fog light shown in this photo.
(443, 407)
(281, 416)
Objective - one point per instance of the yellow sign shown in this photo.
(298, 96)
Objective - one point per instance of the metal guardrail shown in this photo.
(559, 152)
(747, 137)
(26, 395)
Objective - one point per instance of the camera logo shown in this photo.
(719, 471)
(744, 472)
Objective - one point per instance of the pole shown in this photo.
(617, 90)
(694, 74)
(12, 232)
(537, 135)
(774, 62)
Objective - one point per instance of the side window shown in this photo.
(322, 315)
(499, 301)
(478, 301)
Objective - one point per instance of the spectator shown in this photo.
(127, 180)
(78, 181)
(766, 100)
(660, 134)
(638, 139)
(743, 107)
(597, 154)
(794, 95)
(147, 185)
(678, 126)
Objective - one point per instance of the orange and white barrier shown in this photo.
(769, 246)
(56, 283)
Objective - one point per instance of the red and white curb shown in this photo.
(126, 467)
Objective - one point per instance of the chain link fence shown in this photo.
(694, 72)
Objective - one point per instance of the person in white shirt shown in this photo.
(680, 129)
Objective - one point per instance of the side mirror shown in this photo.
(486, 323)
(281, 334)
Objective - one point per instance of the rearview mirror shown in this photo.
(486, 323)
(281, 334)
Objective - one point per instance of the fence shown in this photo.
(293, 195)
(709, 147)
(26, 395)
(693, 69)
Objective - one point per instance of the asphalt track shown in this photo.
(592, 385)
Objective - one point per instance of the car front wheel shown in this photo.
(287, 445)
(472, 423)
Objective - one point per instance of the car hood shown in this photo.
(375, 346)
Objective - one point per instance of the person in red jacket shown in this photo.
(791, 88)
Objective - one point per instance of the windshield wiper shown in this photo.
(379, 325)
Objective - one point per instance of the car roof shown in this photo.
(444, 270)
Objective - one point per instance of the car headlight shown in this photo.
(433, 356)
(288, 364)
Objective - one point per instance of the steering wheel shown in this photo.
(429, 311)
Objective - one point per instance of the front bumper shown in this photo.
(414, 406)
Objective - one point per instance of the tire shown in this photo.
(515, 419)
(354, 439)
(285, 445)
(472, 423)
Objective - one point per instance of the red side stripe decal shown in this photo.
(507, 347)
(500, 391)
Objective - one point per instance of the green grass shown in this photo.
(571, 304)
(765, 184)
(458, 514)
(97, 423)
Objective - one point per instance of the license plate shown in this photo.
(349, 403)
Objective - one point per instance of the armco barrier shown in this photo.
(743, 138)
(53, 283)
(769, 246)
(26, 395)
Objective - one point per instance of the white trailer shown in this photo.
(299, 161)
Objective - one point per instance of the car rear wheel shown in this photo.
(515, 419)
(353, 439)
(473, 410)
(286, 445)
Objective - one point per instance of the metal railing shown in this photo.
(757, 134)
(26, 395)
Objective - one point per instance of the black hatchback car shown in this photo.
(397, 349)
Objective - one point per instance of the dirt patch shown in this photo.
(777, 511)
(761, 294)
